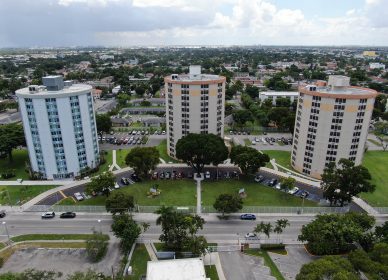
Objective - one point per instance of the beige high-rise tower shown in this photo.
(195, 103)
(332, 122)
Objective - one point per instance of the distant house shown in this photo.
(154, 122)
(153, 101)
(120, 122)
(97, 93)
(292, 95)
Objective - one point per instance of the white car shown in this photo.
(48, 215)
(293, 190)
(207, 175)
(117, 186)
(278, 186)
(251, 235)
(78, 196)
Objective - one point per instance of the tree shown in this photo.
(287, 184)
(101, 183)
(125, 228)
(265, 228)
(119, 202)
(279, 116)
(122, 99)
(96, 246)
(11, 136)
(280, 225)
(340, 183)
(179, 230)
(104, 123)
(31, 274)
(252, 91)
(143, 159)
(200, 149)
(381, 132)
(329, 267)
(242, 116)
(248, 159)
(334, 233)
(228, 203)
(381, 233)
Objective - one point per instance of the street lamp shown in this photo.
(6, 230)
(99, 222)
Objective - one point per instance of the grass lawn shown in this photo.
(267, 261)
(20, 157)
(139, 261)
(247, 142)
(281, 157)
(120, 157)
(162, 148)
(105, 167)
(257, 194)
(67, 201)
(183, 193)
(29, 237)
(211, 272)
(377, 164)
(16, 195)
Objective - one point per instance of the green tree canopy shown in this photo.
(143, 159)
(334, 233)
(288, 183)
(248, 159)
(242, 116)
(101, 183)
(343, 181)
(119, 202)
(11, 136)
(104, 123)
(329, 267)
(96, 246)
(228, 203)
(125, 228)
(200, 149)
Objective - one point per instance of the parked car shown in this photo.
(161, 175)
(135, 178)
(2, 213)
(304, 194)
(248, 217)
(250, 236)
(259, 178)
(116, 186)
(48, 215)
(168, 175)
(278, 186)
(207, 175)
(294, 190)
(67, 215)
(272, 182)
(155, 175)
(78, 196)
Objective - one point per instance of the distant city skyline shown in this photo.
(61, 23)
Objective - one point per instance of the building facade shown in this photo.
(60, 127)
(331, 123)
(195, 103)
(273, 95)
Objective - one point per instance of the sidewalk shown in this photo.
(35, 183)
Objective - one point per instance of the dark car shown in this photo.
(304, 194)
(125, 181)
(248, 217)
(67, 215)
(259, 178)
(2, 213)
(135, 178)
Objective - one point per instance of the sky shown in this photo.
(122, 23)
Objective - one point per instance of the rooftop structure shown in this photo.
(179, 269)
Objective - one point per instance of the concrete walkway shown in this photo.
(36, 183)
(274, 164)
(114, 162)
(199, 198)
(214, 259)
(162, 160)
(151, 252)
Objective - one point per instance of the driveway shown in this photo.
(289, 265)
(240, 266)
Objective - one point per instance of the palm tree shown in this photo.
(280, 226)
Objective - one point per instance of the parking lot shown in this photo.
(123, 140)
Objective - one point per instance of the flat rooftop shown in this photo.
(179, 269)
(280, 93)
(66, 90)
(199, 77)
(345, 90)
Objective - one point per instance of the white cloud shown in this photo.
(88, 2)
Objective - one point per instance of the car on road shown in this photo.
(251, 235)
(259, 178)
(48, 215)
(294, 190)
(207, 175)
(248, 217)
(67, 215)
(2, 213)
(78, 196)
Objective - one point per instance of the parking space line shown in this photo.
(62, 193)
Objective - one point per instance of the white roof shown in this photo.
(279, 93)
(181, 269)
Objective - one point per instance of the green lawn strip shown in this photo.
(373, 141)
(105, 167)
(67, 201)
(183, 193)
(17, 195)
(257, 194)
(29, 237)
(18, 165)
(120, 157)
(377, 164)
(162, 148)
(267, 261)
(211, 272)
(247, 142)
(139, 261)
(281, 157)
(2, 245)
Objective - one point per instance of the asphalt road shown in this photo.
(220, 231)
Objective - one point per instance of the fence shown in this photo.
(152, 209)
(281, 210)
(381, 210)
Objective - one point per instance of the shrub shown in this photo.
(96, 246)
(272, 246)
